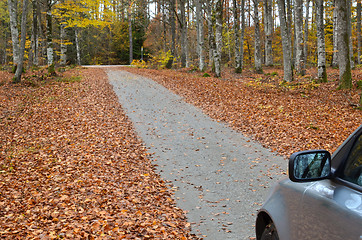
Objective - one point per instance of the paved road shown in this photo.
(219, 175)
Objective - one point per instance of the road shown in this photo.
(219, 176)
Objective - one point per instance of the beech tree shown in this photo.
(299, 55)
(172, 23)
(210, 31)
(287, 52)
(306, 32)
(218, 36)
(344, 63)
(322, 72)
(183, 27)
(130, 3)
(200, 33)
(13, 15)
(237, 43)
(335, 36)
(49, 32)
(18, 49)
(257, 48)
(358, 26)
(4, 32)
(268, 28)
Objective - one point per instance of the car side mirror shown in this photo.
(308, 166)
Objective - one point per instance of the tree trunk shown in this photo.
(268, 28)
(49, 37)
(349, 24)
(183, 28)
(242, 11)
(200, 34)
(257, 49)
(345, 78)
(306, 33)
(359, 31)
(299, 56)
(13, 13)
(236, 36)
(63, 46)
(77, 45)
(129, 16)
(335, 37)
(164, 35)
(218, 37)
(289, 24)
(321, 50)
(35, 37)
(210, 32)
(173, 33)
(19, 69)
(287, 54)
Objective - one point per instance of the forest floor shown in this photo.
(285, 117)
(72, 167)
(66, 172)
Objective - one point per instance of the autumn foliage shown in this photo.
(72, 167)
(285, 117)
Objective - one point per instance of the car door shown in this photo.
(332, 208)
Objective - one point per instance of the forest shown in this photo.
(185, 34)
(284, 73)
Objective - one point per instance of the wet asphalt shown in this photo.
(219, 176)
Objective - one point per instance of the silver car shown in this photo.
(322, 199)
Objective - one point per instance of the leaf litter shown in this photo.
(285, 117)
(72, 167)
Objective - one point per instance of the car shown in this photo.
(321, 198)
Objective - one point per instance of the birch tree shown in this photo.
(287, 54)
(268, 28)
(345, 78)
(299, 56)
(200, 34)
(321, 51)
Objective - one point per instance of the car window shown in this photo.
(353, 169)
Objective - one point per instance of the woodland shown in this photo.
(185, 34)
(285, 73)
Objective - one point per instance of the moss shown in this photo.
(206, 75)
(359, 84)
(51, 70)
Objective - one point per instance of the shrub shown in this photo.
(139, 63)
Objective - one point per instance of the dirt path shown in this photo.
(220, 177)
